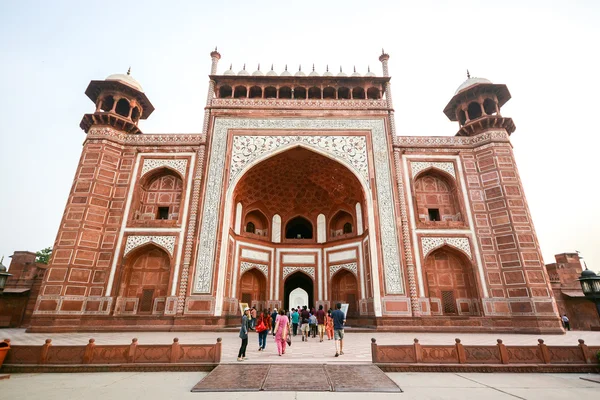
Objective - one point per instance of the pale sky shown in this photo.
(546, 52)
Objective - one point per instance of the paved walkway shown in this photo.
(357, 346)
(177, 385)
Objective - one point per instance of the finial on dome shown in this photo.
(340, 68)
(231, 66)
(382, 51)
(129, 71)
(286, 67)
(244, 67)
(313, 67)
(355, 69)
(327, 67)
(259, 66)
(300, 67)
(468, 75)
(271, 67)
(368, 68)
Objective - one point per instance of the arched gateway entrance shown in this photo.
(301, 194)
(293, 282)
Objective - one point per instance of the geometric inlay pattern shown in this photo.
(309, 270)
(349, 266)
(353, 149)
(418, 166)
(245, 266)
(207, 244)
(430, 243)
(166, 242)
(177, 165)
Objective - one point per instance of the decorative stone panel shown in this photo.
(290, 270)
(210, 221)
(166, 242)
(428, 244)
(152, 164)
(245, 266)
(349, 266)
(418, 166)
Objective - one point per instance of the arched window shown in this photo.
(373, 93)
(314, 93)
(489, 106)
(107, 103)
(300, 93)
(255, 92)
(474, 110)
(436, 198)
(270, 92)
(343, 93)
(358, 93)
(462, 117)
(122, 107)
(250, 227)
(285, 92)
(257, 223)
(340, 224)
(347, 228)
(329, 93)
(135, 114)
(225, 91)
(240, 92)
(159, 197)
(299, 228)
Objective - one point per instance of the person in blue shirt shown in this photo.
(295, 320)
(339, 319)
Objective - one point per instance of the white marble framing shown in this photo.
(184, 217)
(214, 184)
(236, 263)
(360, 260)
(471, 231)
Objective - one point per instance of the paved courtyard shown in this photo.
(357, 346)
(177, 385)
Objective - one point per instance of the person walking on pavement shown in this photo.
(321, 322)
(304, 316)
(329, 325)
(262, 329)
(339, 319)
(565, 321)
(295, 319)
(273, 319)
(282, 330)
(244, 335)
(253, 315)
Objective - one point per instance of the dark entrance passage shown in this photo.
(298, 280)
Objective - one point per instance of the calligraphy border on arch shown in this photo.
(210, 220)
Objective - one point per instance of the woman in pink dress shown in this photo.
(282, 330)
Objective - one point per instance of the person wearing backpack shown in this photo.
(273, 320)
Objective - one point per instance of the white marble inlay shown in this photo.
(349, 266)
(342, 255)
(245, 266)
(153, 163)
(418, 166)
(255, 255)
(290, 270)
(166, 242)
(298, 258)
(428, 244)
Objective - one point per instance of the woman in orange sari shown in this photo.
(329, 325)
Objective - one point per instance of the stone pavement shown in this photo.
(177, 385)
(357, 346)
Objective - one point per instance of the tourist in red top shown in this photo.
(321, 322)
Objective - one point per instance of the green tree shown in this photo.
(43, 256)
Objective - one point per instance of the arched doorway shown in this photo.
(298, 297)
(344, 289)
(146, 277)
(451, 285)
(253, 288)
(295, 281)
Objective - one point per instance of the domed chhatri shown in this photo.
(471, 82)
(271, 72)
(341, 74)
(300, 73)
(126, 79)
(258, 72)
(229, 71)
(286, 72)
(243, 71)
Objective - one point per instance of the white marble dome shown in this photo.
(229, 71)
(471, 82)
(126, 79)
(243, 71)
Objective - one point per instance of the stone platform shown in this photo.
(313, 378)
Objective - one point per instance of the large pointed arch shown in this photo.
(229, 211)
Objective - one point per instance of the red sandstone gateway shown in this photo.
(296, 183)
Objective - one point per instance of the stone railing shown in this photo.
(112, 357)
(458, 357)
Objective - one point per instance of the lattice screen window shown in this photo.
(448, 302)
(146, 303)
